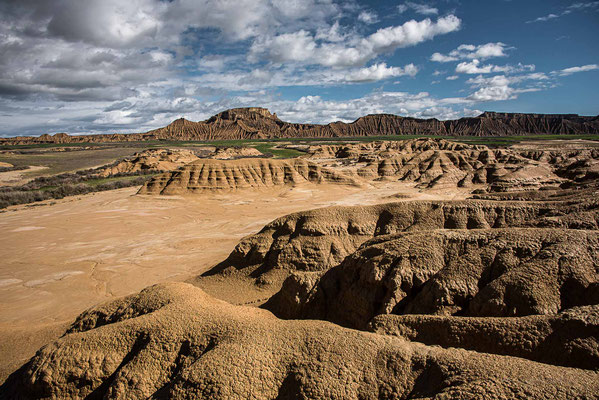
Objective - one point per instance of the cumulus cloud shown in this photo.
(87, 66)
(380, 71)
(475, 67)
(418, 8)
(468, 51)
(302, 46)
(502, 87)
(368, 17)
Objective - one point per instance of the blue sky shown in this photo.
(97, 66)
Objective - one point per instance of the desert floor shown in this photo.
(59, 258)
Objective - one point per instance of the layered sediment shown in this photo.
(259, 123)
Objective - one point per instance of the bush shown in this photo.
(64, 185)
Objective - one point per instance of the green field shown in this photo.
(99, 154)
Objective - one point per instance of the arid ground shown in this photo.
(404, 269)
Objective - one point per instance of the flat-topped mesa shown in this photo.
(246, 113)
(260, 123)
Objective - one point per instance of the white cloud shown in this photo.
(501, 87)
(380, 71)
(544, 18)
(584, 5)
(303, 47)
(573, 70)
(418, 8)
(475, 67)
(493, 93)
(452, 77)
(580, 6)
(368, 17)
(468, 51)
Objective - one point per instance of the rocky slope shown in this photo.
(464, 300)
(259, 123)
(477, 273)
(568, 338)
(317, 240)
(174, 341)
(428, 163)
(437, 163)
(208, 175)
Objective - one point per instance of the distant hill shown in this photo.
(260, 123)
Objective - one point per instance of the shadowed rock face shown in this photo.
(478, 273)
(207, 175)
(319, 239)
(257, 123)
(570, 338)
(182, 343)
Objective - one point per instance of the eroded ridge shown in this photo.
(189, 345)
(209, 175)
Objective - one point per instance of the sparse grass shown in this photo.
(63, 185)
(269, 148)
(60, 162)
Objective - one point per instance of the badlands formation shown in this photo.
(440, 270)
(260, 123)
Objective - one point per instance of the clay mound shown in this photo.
(385, 149)
(230, 153)
(151, 160)
(317, 240)
(5, 165)
(478, 273)
(570, 338)
(438, 163)
(188, 345)
(208, 175)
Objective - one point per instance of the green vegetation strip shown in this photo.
(274, 141)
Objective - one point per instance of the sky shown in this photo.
(106, 66)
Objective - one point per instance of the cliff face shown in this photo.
(259, 123)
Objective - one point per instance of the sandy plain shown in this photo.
(60, 257)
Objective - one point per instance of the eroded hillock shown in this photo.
(151, 160)
(186, 344)
(482, 273)
(208, 175)
(438, 163)
(317, 240)
(569, 338)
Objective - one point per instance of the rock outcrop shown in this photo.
(174, 341)
(438, 163)
(231, 153)
(151, 160)
(476, 273)
(570, 338)
(317, 240)
(209, 175)
(259, 123)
